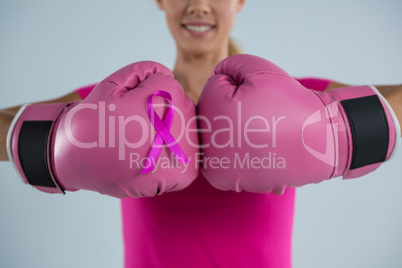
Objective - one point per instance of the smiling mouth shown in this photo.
(198, 28)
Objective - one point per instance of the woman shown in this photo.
(201, 226)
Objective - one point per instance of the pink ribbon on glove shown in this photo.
(163, 134)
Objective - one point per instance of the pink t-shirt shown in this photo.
(201, 226)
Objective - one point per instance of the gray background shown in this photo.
(48, 48)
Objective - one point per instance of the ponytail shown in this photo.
(233, 47)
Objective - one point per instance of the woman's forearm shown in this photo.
(393, 94)
(12, 110)
(5, 122)
(7, 115)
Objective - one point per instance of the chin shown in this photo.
(199, 49)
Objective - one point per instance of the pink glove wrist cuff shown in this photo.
(393, 121)
(371, 126)
(29, 138)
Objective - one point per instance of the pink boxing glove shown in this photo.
(128, 138)
(262, 131)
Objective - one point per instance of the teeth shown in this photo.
(198, 28)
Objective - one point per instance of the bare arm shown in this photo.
(392, 93)
(5, 121)
(66, 98)
(7, 115)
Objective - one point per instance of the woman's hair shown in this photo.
(233, 47)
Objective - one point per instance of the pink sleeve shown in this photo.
(84, 91)
(318, 84)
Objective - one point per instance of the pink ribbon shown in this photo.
(163, 134)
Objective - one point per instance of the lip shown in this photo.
(198, 23)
